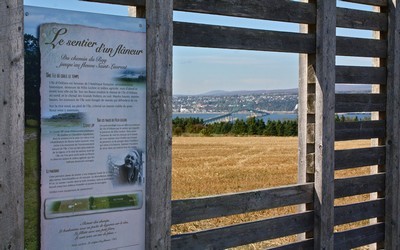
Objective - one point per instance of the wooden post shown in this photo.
(392, 206)
(324, 124)
(159, 125)
(11, 125)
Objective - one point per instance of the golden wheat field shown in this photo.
(203, 166)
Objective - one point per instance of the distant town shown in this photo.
(224, 102)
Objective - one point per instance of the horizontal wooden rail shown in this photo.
(361, 47)
(304, 244)
(212, 36)
(359, 185)
(241, 234)
(369, 2)
(359, 157)
(223, 205)
(360, 236)
(140, 3)
(345, 131)
(275, 10)
(359, 19)
(362, 75)
(359, 211)
(360, 103)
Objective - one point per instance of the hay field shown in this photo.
(217, 165)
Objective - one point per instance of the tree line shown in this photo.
(251, 126)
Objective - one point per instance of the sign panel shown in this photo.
(93, 137)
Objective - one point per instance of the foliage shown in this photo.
(32, 77)
(251, 126)
(239, 127)
(32, 187)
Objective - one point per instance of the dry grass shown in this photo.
(218, 165)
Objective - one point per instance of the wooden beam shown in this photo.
(362, 75)
(353, 238)
(11, 125)
(359, 157)
(359, 130)
(159, 127)
(202, 208)
(214, 36)
(359, 185)
(359, 19)
(369, 2)
(245, 233)
(392, 215)
(325, 124)
(275, 10)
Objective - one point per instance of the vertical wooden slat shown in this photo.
(159, 126)
(392, 213)
(11, 125)
(325, 124)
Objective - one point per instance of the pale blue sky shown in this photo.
(199, 70)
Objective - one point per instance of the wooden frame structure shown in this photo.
(317, 189)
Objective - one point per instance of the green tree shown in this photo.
(32, 77)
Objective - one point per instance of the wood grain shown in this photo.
(158, 119)
(11, 125)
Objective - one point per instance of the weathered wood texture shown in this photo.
(363, 75)
(276, 10)
(359, 211)
(324, 124)
(360, 236)
(11, 125)
(360, 103)
(212, 36)
(392, 216)
(362, 47)
(369, 2)
(359, 185)
(358, 19)
(245, 233)
(359, 130)
(299, 245)
(224, 205)
(359, 157)
(159, 127)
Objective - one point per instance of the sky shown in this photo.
(200, 70)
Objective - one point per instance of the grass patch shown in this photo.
(32, 193)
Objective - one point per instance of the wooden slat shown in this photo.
(359, 211)
(359, 157)
(358, 19)
(158, 115)
(215, 206)
(360, 236)
(359, 130)
(245, 233)
(324, 124)
(348, 46)
(360, 103)
(303, 245)
(363, 75)
(212, 36)
(140, 3)
(11, 125)
(275, 10)
(392, 194)
(359, 185)
(369, 2)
